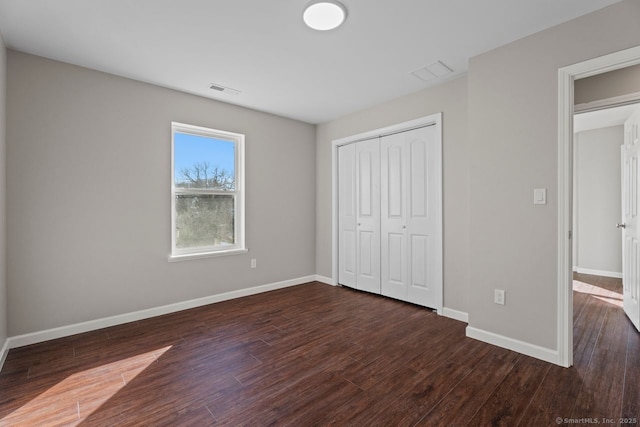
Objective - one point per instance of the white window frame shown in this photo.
(179, 254)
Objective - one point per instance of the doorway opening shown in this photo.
(599, 137)
(597, 205)
(566, 78)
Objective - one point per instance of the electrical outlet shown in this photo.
(498, 296)
(253, 263)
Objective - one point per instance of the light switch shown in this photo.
(539, 196)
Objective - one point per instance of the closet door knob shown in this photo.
(623, 225)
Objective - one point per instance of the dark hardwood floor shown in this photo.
(320, 355)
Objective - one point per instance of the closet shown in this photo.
(390, 215)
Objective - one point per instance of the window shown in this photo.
(207, 197)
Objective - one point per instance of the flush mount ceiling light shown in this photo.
(323, 15)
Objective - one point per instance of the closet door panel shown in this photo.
(393, 186)
(396, 259)
(394, 267)
(368, 265)
(365, 184)
(347, 240)
(419, 261)
(419, 184)
(422, 218)
(368, 215)
(394, 181)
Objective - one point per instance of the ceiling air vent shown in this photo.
(431, 72)
(224, 89)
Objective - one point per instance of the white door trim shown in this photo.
(433, 119)
(601, 104)
(566, 76)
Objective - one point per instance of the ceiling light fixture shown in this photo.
(323, 15)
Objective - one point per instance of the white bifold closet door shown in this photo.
(389, 216)
(411, 243)
(359, 215)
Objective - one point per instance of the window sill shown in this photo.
(186, 257)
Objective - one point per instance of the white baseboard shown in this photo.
(92, 325)
(326, 280)
(603, 273)
(3, 353)
(526, 348)
(455, 314)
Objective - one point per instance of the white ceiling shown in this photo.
(263, 49)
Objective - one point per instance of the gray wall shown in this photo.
(88, 173)
(88, 186)
(597, 202)
(607, 85)
(449, 98)
(3, 191)
(513, 133)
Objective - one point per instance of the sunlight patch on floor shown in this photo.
(598, 293)
(77, 396)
